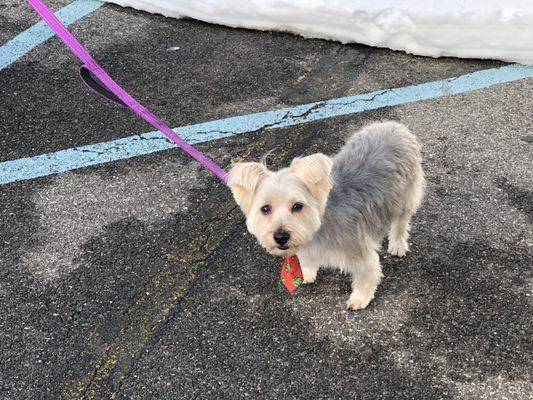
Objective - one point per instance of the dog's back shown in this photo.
(376, 176)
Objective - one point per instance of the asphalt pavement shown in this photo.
(136, 279)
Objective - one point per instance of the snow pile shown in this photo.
(495, 29)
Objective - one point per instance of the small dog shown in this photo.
(335, 212)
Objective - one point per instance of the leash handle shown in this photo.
(97, 87)
(108, 88)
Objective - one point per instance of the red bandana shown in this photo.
(291, 273)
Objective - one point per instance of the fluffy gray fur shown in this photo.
(377, 185)
(374, 177)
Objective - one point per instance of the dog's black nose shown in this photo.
(281, 237)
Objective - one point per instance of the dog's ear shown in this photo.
(243, 179)
(314, 172)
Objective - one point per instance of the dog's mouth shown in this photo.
(283, 250)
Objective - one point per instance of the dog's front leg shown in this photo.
(366, 275)
(309, 268)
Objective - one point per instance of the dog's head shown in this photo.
(284, 208)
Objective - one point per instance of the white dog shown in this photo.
(335, 212)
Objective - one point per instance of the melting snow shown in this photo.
(492, 29)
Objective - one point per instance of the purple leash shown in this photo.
(109, 89)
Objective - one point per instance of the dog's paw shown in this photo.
(358, 301)
(309, 274)
(398, 249)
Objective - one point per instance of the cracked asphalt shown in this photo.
(137, 279)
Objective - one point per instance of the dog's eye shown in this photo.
(297, 207)
(265, 210)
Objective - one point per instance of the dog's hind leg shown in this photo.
(398, 235)
(399, 230)
(365, 280)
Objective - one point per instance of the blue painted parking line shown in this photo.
(40, 32)
(132, 146)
